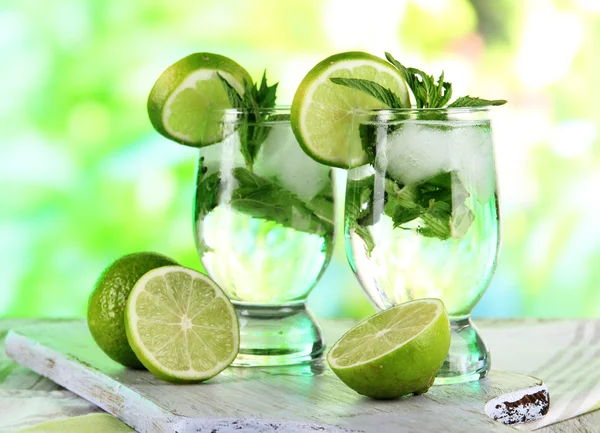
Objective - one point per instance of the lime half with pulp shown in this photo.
(396, 352)
(183, 105)
(321, 114)
(181, 325)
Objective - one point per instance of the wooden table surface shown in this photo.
(564, 353)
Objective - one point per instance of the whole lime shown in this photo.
(106, 307)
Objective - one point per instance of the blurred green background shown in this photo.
(84, 179)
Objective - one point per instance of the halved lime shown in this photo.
(321, 114)
(184, 96)
(395, 352)
(181, 325)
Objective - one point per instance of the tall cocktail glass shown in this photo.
(263, 223)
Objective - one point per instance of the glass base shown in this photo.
(468, 358)
(277, 335)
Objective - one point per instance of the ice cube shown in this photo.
(282, 160)
(472, 158)
(417, 152)
(225, 155)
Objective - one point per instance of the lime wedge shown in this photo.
(181, 325)
(395, 352)
(181, 103)
(321, 114)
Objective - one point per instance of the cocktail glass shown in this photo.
(263, 224)
(421, 218)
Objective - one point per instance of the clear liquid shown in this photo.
(258, 261)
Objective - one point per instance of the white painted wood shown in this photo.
(301, 398)
(522, 345)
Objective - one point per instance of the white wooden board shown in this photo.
(300, 398)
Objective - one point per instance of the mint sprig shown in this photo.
(255, 99)
(439, 202)
(428, 91)
(261, 198)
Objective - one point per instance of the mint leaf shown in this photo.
(437, 220)
(263, 96)
(207, 190)
(406, 196)
(261, 198)
(427, 93)
(444, 92)
(437, 188)
(468, 101)
(322, 204)
(402, 215)
(439, 202)
(366, 236)
(371, 88)
(234, 97)
(359, 209)
(256, 98)
(368, 139)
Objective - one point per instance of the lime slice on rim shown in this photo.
(395, 352)
(321, 114)
(182, 99)
(181, 325)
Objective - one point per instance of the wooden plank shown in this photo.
(299, 398)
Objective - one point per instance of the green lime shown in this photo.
(321, 114)
(181, 325)
(181, 103)
(395, 352)
(106, 307)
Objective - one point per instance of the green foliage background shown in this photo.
(85, 179)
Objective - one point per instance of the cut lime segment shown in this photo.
(181, 325)
(321, 114)
(395, 352)
(182, 102)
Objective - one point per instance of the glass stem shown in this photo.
(468, 358)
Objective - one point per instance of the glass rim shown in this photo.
(264, 110)
(411, 110)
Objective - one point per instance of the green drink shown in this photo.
(422, 218)
(264, 232)
(263, 210)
